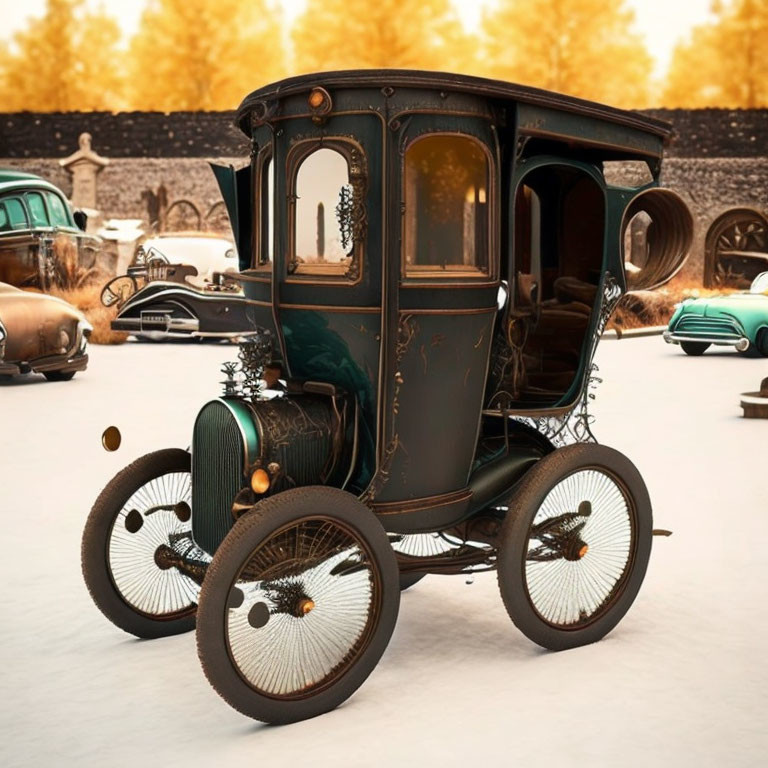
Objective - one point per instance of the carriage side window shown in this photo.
(267, 202)
(446, 220)
(328, 214)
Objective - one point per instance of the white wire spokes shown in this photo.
(287, 652)
(133, 542)
(423, 545)
(573, 571)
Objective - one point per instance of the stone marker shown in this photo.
(84, 165)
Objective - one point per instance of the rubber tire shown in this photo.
(694, 348)
(96, 541)
(534, 487)
(248, 532)
(407, 580)
(59, 375)
(762, 342)
(760, 347)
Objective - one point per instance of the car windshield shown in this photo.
(760, 283)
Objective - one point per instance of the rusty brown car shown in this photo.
(41, 237)
(41, 334)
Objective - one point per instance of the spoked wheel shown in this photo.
(298, 605)
(140, 522)
(416, 545)
(575, 546)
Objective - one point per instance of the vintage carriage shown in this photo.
(431, 260)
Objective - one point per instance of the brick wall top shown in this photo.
(124, 134)
(700, 133)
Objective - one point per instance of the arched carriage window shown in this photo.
(446, 221)
(328, 212)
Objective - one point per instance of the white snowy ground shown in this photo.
(681, 682)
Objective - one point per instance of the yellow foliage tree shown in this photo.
(203, 54)
(584, 48)
(723, 63)
(407, 34)
(65, 60)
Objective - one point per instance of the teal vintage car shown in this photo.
(739, 320)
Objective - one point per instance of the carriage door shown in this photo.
(443, 283)
(328, 260)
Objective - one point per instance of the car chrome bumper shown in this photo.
(741, 343)
(156, 325)
(63, 363)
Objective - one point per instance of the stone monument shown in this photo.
(83, 166)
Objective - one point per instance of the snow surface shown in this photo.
(681, 682)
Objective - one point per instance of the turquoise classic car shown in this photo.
(739, 320)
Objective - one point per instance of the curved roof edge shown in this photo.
(481, 86)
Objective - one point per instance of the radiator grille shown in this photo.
(217, 474)
(708, 326)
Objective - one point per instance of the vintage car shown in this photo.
(738, 320)
(159, 299)
(387, 418)
(209, 254)
(39, 233)
(41, 334)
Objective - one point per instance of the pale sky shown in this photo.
(661, 22)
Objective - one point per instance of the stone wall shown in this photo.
(718, 160)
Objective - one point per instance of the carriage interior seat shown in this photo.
(558, 249)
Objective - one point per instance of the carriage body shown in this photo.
(484, 253)
(429, 262)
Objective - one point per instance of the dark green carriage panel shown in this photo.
(235, 187)
(341, 348)
(438, 392)
(618, 140)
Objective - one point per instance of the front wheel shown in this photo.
(575, 546)
(142, 515)
(694, 348)
(298, 605)
(59, 375)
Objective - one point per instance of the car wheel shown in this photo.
(575, 546)
(142, 513)
(694, 348)
(762, 342)
(751, 351)
(298, 605)
(58, 375)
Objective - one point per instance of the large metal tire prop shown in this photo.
(298, 605)
(668, 238)
(575, 546)
(741, 230)
(139, 516)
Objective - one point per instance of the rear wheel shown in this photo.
(298, 605)
(575, 546)
(412, 546)
(58, 375)
(694, 348)
(141, 516)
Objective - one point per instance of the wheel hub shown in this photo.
(305, 606)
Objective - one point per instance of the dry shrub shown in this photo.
(69, 274)
(87, 298)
